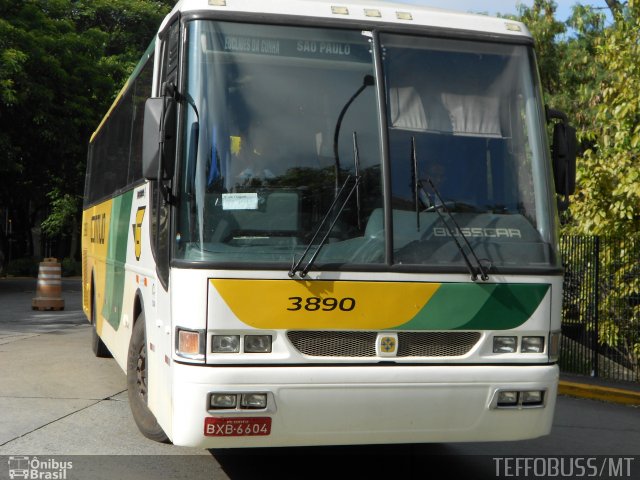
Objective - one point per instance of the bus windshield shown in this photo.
(467, 136)
(279, 118)
(270, 103)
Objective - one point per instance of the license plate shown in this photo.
(237, 427)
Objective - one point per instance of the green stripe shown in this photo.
(458, 306)
(119, 230)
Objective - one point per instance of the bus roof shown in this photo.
(370, 11)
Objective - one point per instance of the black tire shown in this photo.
(100, 350)
(137, 384)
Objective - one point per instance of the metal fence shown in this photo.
(601, 307)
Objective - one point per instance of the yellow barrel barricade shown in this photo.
(49, 288)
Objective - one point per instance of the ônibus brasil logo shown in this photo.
(37, 469)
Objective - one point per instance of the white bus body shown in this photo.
(426, 308)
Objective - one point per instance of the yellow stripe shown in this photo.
(327, 305)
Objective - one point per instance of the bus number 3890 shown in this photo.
(327, 304)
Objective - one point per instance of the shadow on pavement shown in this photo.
(368, 461)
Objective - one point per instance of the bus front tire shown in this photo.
(137, 375)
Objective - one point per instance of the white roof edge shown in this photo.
(364, 10)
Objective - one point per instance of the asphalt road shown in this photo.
(60, 403)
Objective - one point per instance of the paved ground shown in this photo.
(56, 398)
(62, 391)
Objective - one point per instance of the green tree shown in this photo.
(608, 200)
(602, 67)
(546, 30)
(62, 63)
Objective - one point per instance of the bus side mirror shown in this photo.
(563, 153)
(158, 137)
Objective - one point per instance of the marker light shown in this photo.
(223, 400)
(505, 344)
(532, 345)
(372, 12)
(257, 344)
(188, 344)
(225, 343)
(340, 10)
(257, 401)
(404, 16)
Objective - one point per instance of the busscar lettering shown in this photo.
(98, 228)
(477, 232)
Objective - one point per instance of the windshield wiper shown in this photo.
(295, 268)
(419, 192)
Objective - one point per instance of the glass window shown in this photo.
(261, 167)
(466, 136)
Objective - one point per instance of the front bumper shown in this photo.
(345, 405)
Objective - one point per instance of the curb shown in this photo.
(594, 392)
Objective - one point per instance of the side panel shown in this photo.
(117, 257)
(119, 233)
(96, 223)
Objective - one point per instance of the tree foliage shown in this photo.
(61, 64)
(592, 73)
(609, 197)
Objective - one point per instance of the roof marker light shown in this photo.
(404, 16)
(218, 3)
(513, 27)
(340, 10)
(372, 12)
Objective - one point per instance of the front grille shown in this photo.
(363, 344)
(436, 344)
(334, 344)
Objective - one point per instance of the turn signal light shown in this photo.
(190, 344)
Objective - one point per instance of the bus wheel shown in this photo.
(137, 384)
(97, 345)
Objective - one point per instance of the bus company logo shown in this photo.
(387, 345)
(98, 228)
(137, 231)
(36, 469)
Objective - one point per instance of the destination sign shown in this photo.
(291, 47)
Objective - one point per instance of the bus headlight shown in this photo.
(532, 398)
(257, 344)
(225, 343)
(505, 344)
(507, 398)
(532, 345)
(219, 401)
(256, 401)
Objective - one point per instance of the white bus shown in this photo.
(329, 223)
